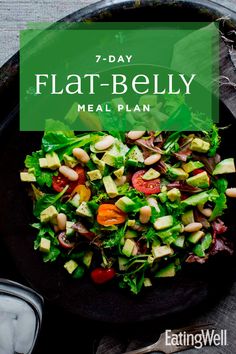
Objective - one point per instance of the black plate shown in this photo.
(109, 303)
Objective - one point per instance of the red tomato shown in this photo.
(147, 187)
(59, 182)
(102, 275)
(64, 242)
(197, 171)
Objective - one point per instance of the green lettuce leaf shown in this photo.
(43, 177)
(46, 201)
(220, 206)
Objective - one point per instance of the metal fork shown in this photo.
(160, 345)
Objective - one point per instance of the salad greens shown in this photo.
(135, 207)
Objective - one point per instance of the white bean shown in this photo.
(69, 173)
(135, 134)
(61, 221)
(231, 192)
(81, 155)
(152, 159)
(145, 214)
(105, 143)
(120, 181)
(205, 211)
(193, 227)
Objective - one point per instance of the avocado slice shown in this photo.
(119, 173)
(125, 204)
(87, 259)
(100, 164)
(188, 217)
(201, 180)
(70, 266)
(44, 245)
(169, 232)
(49, 215)
(131, 234)
(134, 156)
(128, 247)
(199, 198)
(177, 174)
(163, 222)
(131, 222)
(168, 271)
(122, 261)
(70, 161)
(179, 242)
(225, 166)
(199, 145)
(110, 187)
(84, 210)
(75, 201)
(94, 175)
(27, 177)
(161, 251)
(147, 282)
(43, 162)
(174, 194)
(191, 166)
(196, 236)
(69, 230)
(150, 174)
(53, 161)
(113, 160)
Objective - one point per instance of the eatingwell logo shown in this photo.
(196, 340)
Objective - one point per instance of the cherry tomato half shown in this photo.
(147, 187)
(59, 182)
(102, 275)
(64, 242)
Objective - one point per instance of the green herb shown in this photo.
(171, 144)
(43, 177)
(220, 206)
(114, 238)
(69, 210)
(174, 208)
(47, 200)
(52, 255)
(99, 198)
(214, 141)
(123, 190)
(64, 141)
(221, 185)
(200, 249)
(134, 282)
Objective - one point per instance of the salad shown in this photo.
(131, 207)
